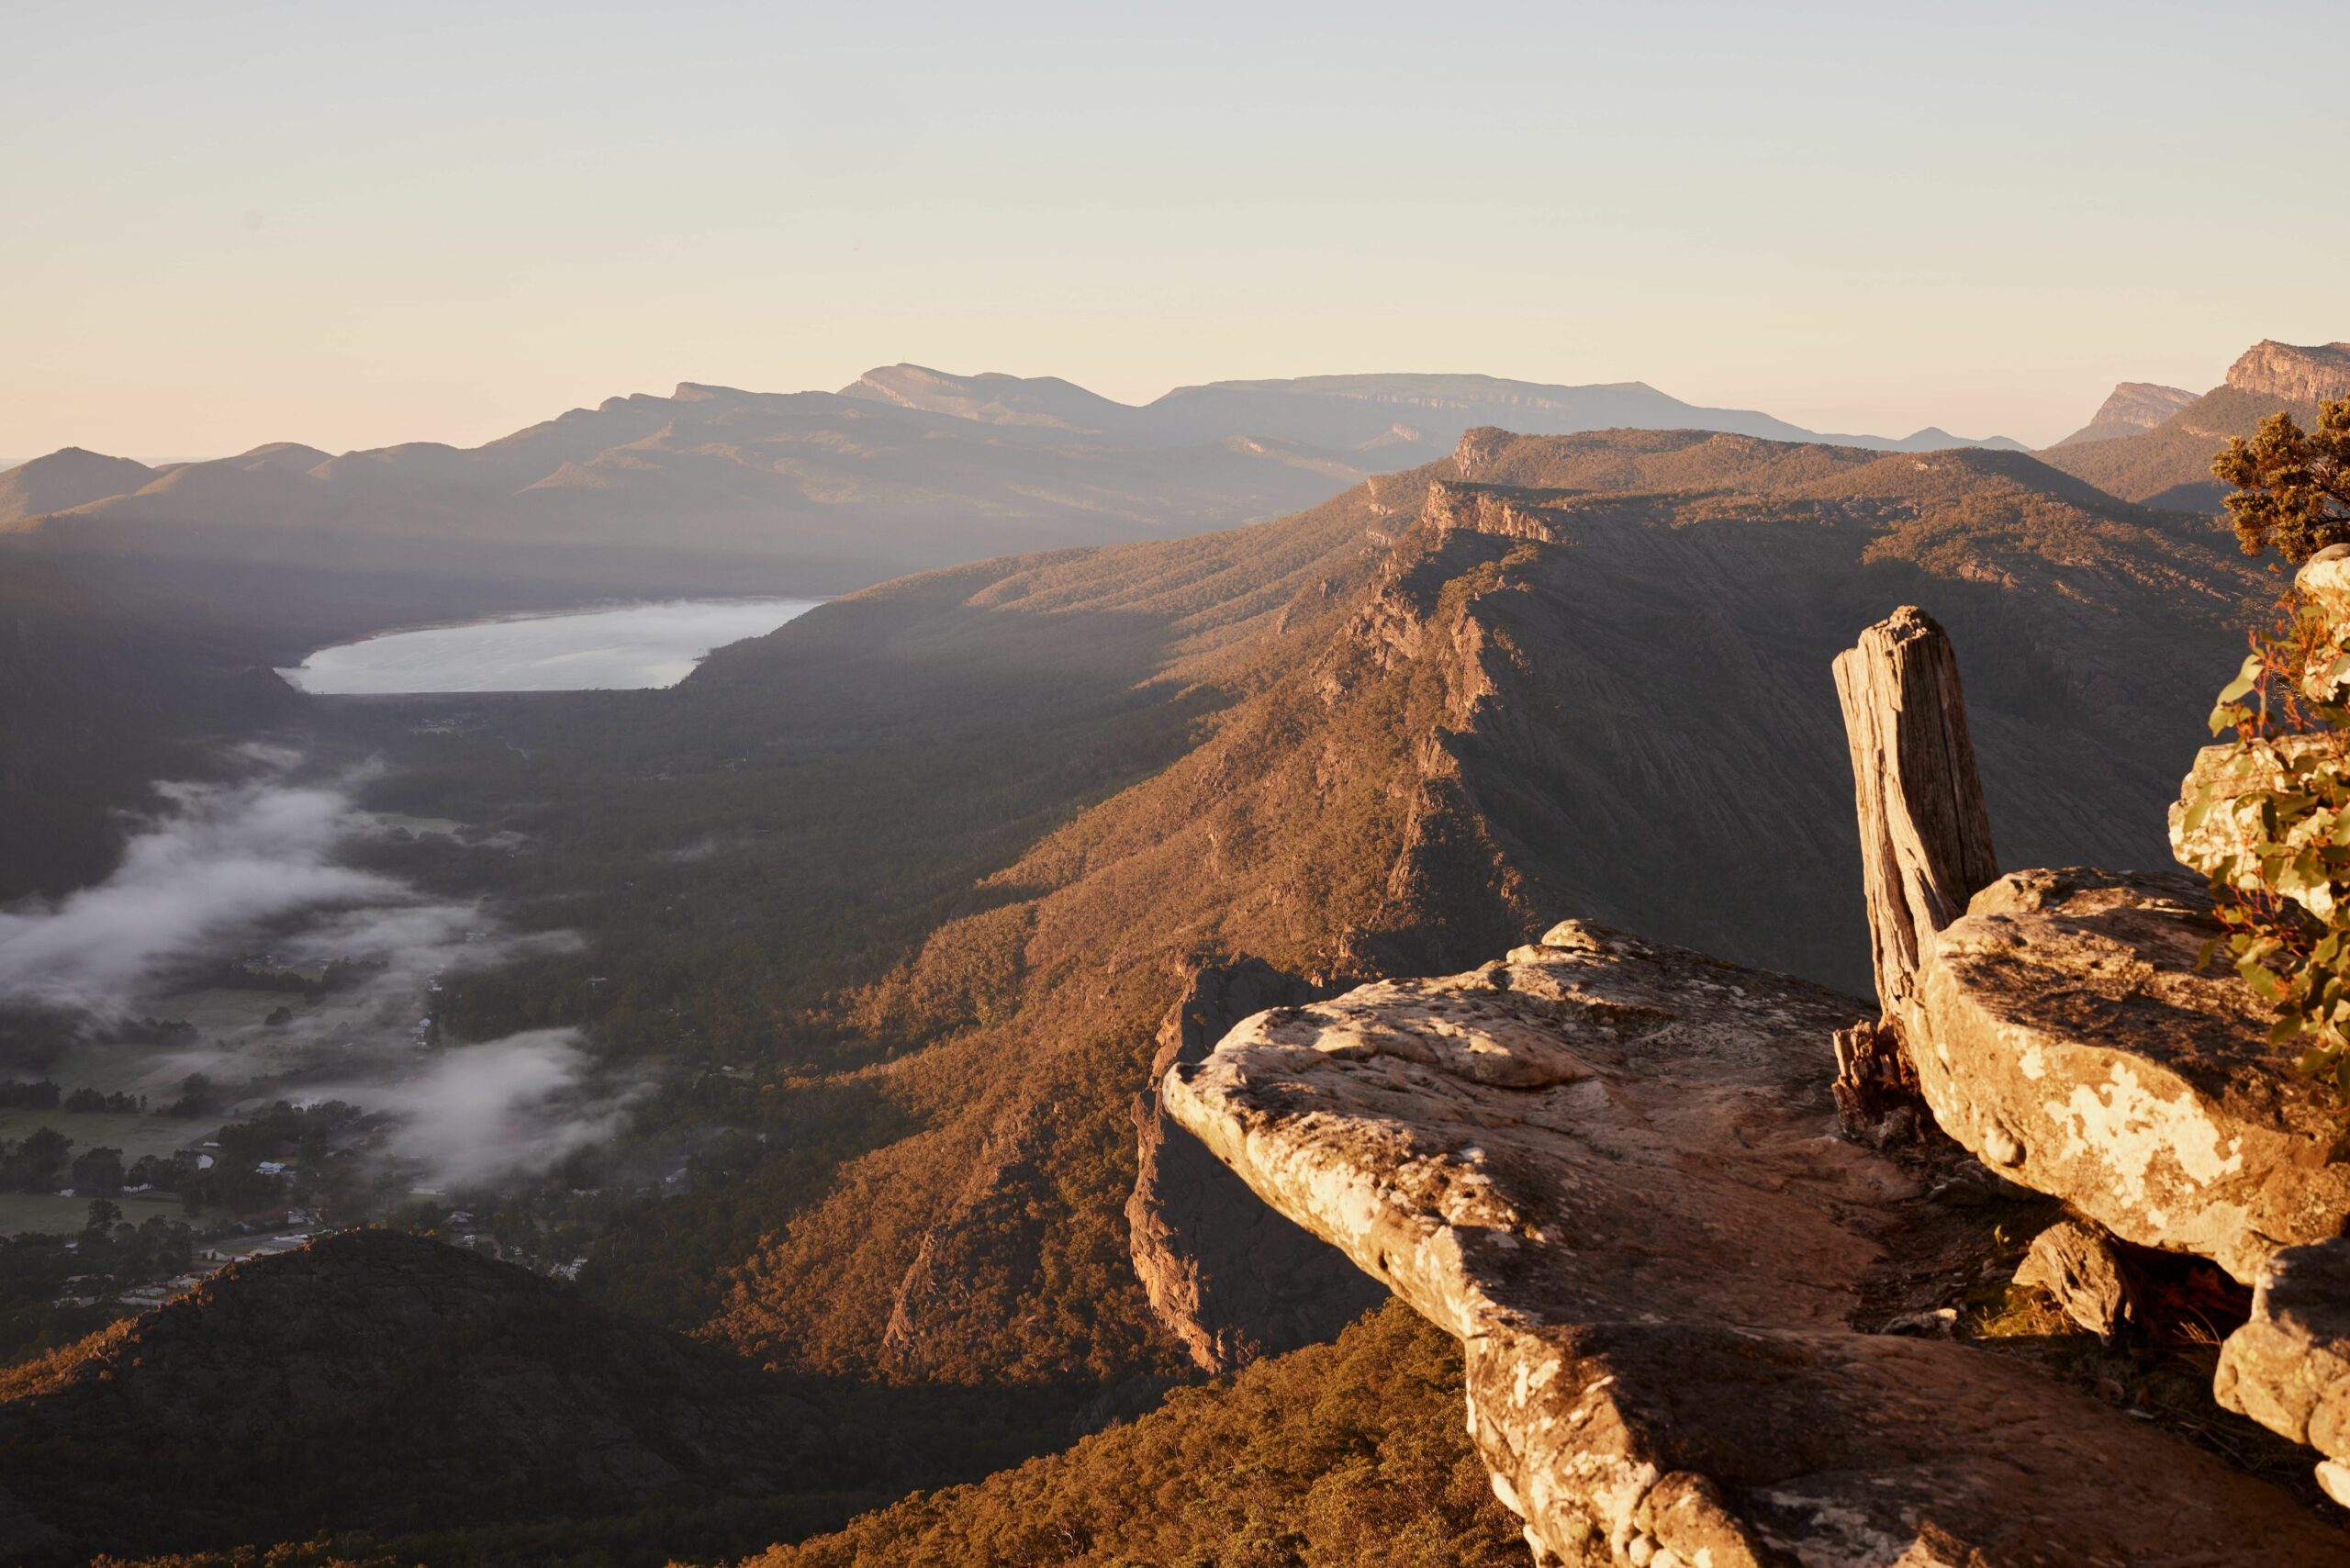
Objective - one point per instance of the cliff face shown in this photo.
(2291, 373)
(1231, 1278)
(1609, 1169)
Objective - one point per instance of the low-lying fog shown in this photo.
(628, 647)
(236, 943)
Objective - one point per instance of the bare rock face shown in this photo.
(2075, 1049)
(1610, 1169)
(1230, 1277)
(2295, 373)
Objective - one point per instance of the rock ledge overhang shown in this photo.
(1609, 1169)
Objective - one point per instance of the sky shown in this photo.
(350, 226)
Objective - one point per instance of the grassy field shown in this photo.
(127, 1130)
(21, 1211)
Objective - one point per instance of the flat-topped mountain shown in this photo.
(1401, 417)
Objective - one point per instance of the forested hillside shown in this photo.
(958, 836)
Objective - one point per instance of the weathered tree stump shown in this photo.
(1925, 842)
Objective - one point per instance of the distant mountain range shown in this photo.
(2155, 444)
(1399, 415)
(714, 489)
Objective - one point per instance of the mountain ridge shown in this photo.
(721, 489)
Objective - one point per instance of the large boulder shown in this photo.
(2074, 1045)
(2289, 1368)
(1610, 1169)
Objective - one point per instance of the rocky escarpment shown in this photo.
(2291, 372)
(1230, 1277)
(388, 1383)
(2132, 407)
(1610, 1169)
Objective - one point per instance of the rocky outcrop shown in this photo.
(2289, 1368)
(2077, 1047)
(2291, 372)
(1488, 509)
(1228, 1276)
(2078, 1267)
(2133, 409)
(1610, 1169)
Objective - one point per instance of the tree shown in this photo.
(43, 1154)
(97, 1170)
(104, 1212)
(2292, 487)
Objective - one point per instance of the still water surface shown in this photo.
(631, 646)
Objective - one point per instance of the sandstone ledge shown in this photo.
(1609, 1169)
(2072, 1044)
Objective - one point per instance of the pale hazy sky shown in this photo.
(227, 223)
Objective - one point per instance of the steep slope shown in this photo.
(2133, 407)
(1351, 1453)
(381, 1382)
(2170, 465)
(96, 703)
(68, 477)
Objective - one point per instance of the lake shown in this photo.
(627, 647)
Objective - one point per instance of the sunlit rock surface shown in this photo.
(2073, 1045)
(1609, 1169)
(2289, 1369)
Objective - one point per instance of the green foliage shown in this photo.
(2269, 825)
(2292, 487)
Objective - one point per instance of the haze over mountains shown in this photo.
(715, 489)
